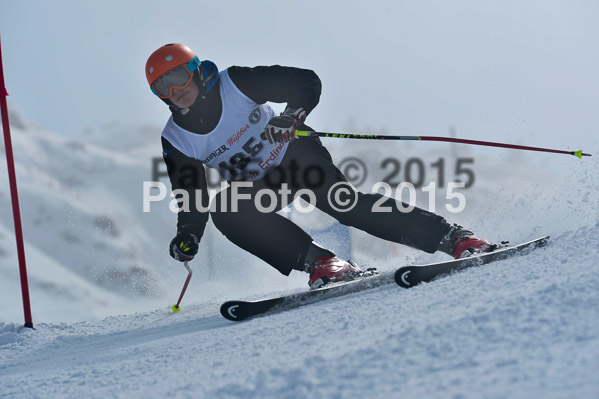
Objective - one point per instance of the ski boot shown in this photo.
(331, 269)
(461, 243)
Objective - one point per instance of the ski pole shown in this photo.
(14, 195)
(176, 307)
(304, 133)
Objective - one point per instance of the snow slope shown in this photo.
(521, 328)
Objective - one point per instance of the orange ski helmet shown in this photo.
(166, 58)
(173, 66)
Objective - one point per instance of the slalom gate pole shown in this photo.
(303, 133)
(12, 178)
(176, 307)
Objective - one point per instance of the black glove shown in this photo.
(281, 129)
(185, 244)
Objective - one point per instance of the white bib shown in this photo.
(234, 148)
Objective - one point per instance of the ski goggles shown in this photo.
(178, 78)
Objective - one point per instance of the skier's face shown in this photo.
(184, 98)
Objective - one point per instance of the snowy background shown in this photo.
(102, 282)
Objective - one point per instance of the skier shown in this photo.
(221, 120)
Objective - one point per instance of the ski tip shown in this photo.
(403, 279)
(231, 311)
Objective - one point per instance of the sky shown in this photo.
(522, 72)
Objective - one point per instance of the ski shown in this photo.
(409, 276)
(242, 310)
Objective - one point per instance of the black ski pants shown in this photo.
(308, 165)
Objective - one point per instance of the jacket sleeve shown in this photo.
(187, 174)
(279, 84)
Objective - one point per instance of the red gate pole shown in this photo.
(12, 177)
